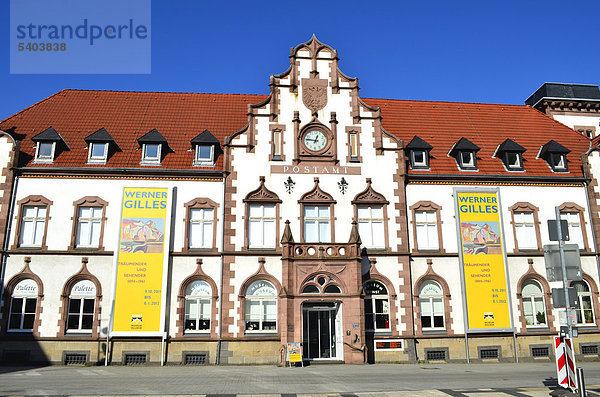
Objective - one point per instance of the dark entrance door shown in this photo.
(319, 330)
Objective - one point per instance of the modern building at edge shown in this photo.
(308, 215)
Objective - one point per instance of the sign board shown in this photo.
(483, 258)
(558, 297)
(553, 230)
(394, 345)
(572, 262)
(140, 269)
(294, 352)
(562, 316)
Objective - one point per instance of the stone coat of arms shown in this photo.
(314, 93)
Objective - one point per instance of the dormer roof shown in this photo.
(510, 146)
(465, 145)
(205, 138)
(418, 144)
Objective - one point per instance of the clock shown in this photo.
(315, 140)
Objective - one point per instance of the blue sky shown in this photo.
(471, 51)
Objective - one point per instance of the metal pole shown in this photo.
(564, 272)
(580, 383)
(162, 349)
(467, 347)
(107, 347)
(515, 346)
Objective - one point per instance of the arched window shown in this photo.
(261, 307)
(585, 312)
(431, 299)
(534, 308)
(82, 300)
(377, 306)
(23, 305)
(197, 307)
(321, 283)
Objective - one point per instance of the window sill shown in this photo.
(207, 164)
(435, 332)
(533, 328)
(261, 248)
(200, 249)
(376, 333)
(78, 334)
(260, 334)
(20, 331)
(192, 334)
(154, 164)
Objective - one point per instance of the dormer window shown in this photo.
(555, 155)
(101, 146)
(418, 153)
(154, 148)
(204, 155)
(48, 145)
(151, 153)
(465, 154)
(511, 155)
(206, 149)
(467, 160)
(558, 161)
(98, 152)
(44, 152)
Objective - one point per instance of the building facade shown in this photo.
(309, 215)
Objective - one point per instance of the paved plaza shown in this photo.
(381, 380)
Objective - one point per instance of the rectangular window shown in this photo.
(261, 314)
(317, 224)
(371, 227)
(277, 144)
(151, 153)
(467, 160)
(32, 226)
(81, 314)
(197, 314)
(353, 146)
(432, 313)
(22, 313)
(575, 233)
(419, 159)
(525, 231)
(513, 160)
(89, 226)
(45, 152)
(98, 152)
(261, 226)
(427, 230)
(201, 228)
(204, 155)
(558, 161)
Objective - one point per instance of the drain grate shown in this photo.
(195, 359)
(436, 355)
(75, 359)
(488, 353)
(135, 359)
(589, 349)
(540, 352)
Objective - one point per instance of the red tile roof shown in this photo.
(442, 124)
(179, 117)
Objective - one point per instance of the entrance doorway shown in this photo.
(321, 326)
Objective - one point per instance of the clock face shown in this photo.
(315, 140)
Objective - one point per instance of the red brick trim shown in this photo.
(83, 274)
(531, 274)
(198, 274)
(24, 274)
(89, 201)
(430, 274)
(33, 200)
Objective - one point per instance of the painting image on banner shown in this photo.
(140, 263)
(483, 261)
(142, 235)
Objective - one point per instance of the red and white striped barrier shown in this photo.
(565, 363)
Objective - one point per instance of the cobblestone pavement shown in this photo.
(380, 380)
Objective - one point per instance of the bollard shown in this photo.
(580, 383)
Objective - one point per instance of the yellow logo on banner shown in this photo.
(140, 260)
(483, 261)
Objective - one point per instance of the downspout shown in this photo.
(220, 329)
